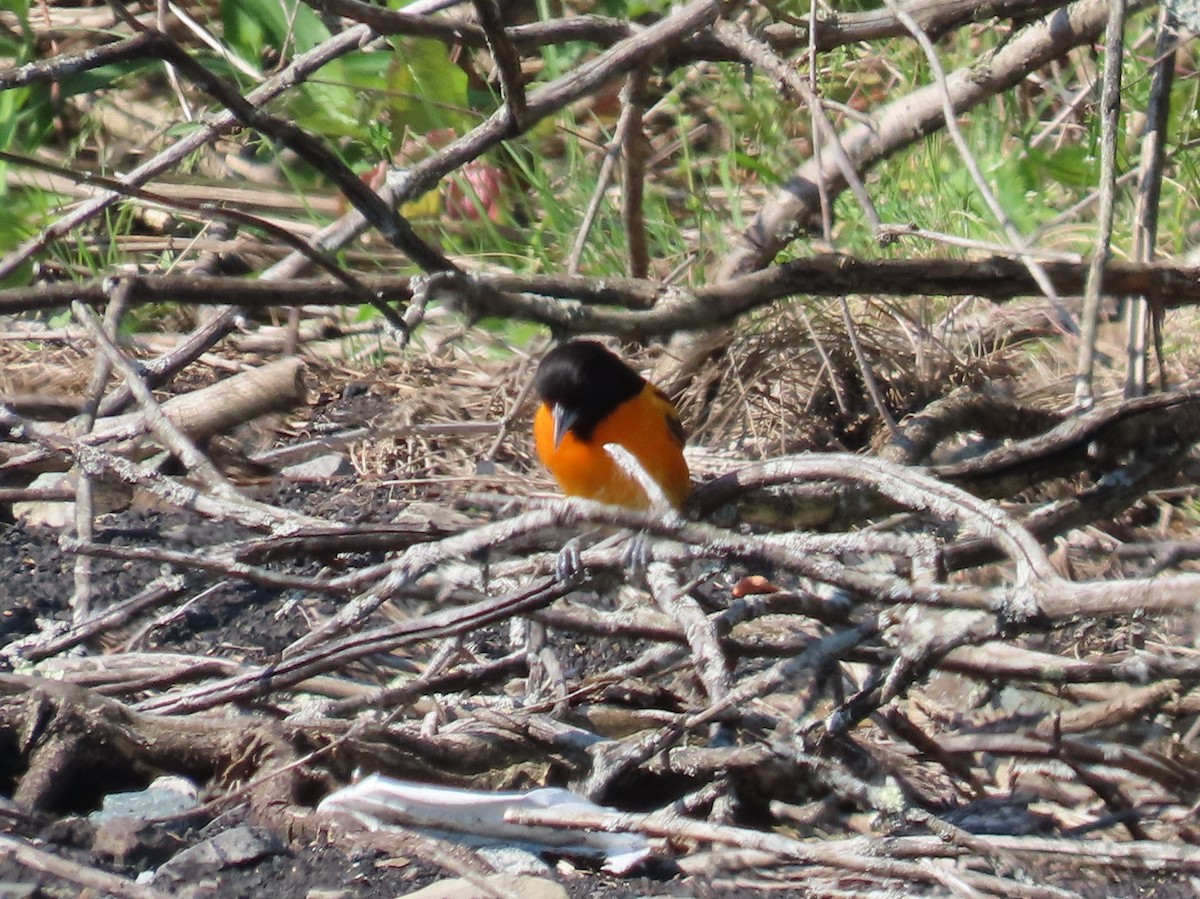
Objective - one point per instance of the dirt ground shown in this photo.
(251, 623)
(436, 483)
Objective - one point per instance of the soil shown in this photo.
(252, 623)
(247, 622)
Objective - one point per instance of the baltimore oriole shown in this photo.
(591, 398)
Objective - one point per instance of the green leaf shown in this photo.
(105, 77)
(767, 174)
(244, 25)
(1071, 165)
(11, 102)
(307, 29)
(329, 109)
(427, 89)
(8, 46)
(285, 25)
(632, 9)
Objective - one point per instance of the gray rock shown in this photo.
(511, 860)
(131, 842)
(13, 890)
(318, 469)
(228, 849)
(164, 797)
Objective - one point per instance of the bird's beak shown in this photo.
(563, 419)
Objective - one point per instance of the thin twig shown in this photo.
(157, 422)
(1149, 191)
(29, 857)
(865, 370)
(1018, 240)
(612, 152)
(1110, 116)
(910, 118)
(789, 81)
(81, 598)
(220, 123)
(508, 61)
(634, 149)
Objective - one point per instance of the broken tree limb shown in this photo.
(627, 307)
(201, 414)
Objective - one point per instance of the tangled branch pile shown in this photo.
(860, 651)
(962, 665)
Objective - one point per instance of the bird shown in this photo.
(591, 399)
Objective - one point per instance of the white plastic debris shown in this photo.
(381, 802)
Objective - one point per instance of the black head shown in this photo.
(584, 382)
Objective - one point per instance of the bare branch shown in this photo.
(221, 123)
(909, 119)
(1110, 116)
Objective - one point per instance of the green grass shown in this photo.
(724, 142)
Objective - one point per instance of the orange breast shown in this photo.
(646, 426)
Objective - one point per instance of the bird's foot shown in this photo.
(568, 564)
(638, 555)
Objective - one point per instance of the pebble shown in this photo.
(236, 846)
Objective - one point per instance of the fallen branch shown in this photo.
(575, 304)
